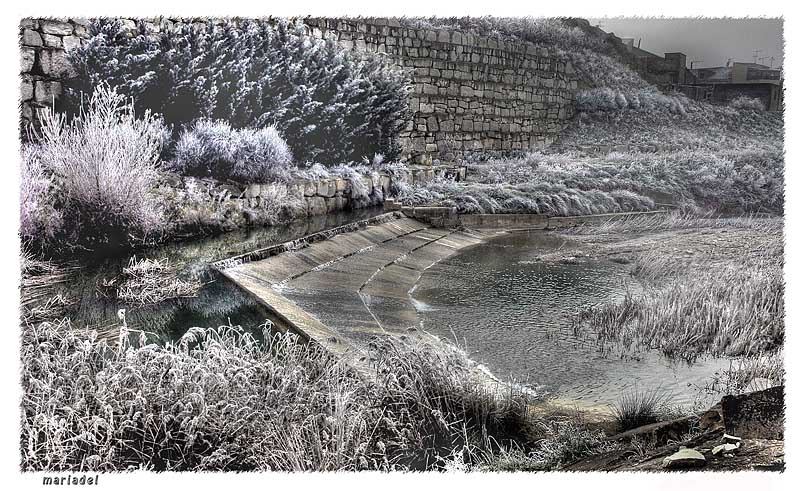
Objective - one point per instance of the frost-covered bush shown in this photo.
(39, 218)
(331, 105)
(744, 102)
(105, 161)
(213, 148)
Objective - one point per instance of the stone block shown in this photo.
(45, 91)
(71, 42)
(52, 41)
(31, 38)
(27, 59)
(26, 90)
(56, 27)
(326, 189)
(316, 206)
(54, 63)
(386, 183)
(309, 188)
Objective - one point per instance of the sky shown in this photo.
(707, 42)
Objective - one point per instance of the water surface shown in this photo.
(514, 313)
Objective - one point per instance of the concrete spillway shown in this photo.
(343, 291)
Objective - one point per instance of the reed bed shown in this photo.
(730, 305)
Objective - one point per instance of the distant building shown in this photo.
(717, 84)
(742, 79)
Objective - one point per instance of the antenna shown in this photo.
(756, 52)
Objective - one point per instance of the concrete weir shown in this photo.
(342, 291)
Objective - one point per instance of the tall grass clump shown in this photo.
(722, 306)
(213, 148)
(220, 400)
(332, 105)
(105, 161)
(637, 408)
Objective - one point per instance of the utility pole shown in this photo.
(756, 52)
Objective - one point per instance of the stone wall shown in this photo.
(335, 194)
(44, 65)
(469, 93)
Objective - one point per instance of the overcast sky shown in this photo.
(711, 40)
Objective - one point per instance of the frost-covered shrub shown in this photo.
(331, 105)
(213, 148)
(105, 161)
(39, 217)
(744, 102)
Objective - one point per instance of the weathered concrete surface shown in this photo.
(342, 291)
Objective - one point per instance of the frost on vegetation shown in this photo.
(214, 148)
(149, 281)
(744, 102)
(104, 163)
(218, 399)
(330, 104)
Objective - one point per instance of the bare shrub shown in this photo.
(106, 162)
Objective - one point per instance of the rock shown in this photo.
(28, 57)
(685, 458)
(55, 63)
(71, 42)
(725, 448)
(754, 415)
(326, 189)
(56, 27)
(31, 38)
(52, 41)
(46, 91)
(26, 90)
(316, 206)
(731, 439)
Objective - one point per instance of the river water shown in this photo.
(218, 302)
(514, 314)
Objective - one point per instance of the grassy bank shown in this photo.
(725, 300)
(218, 400)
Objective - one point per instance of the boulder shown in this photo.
(755, 414)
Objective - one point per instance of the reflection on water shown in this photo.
(513, 313)
(218, 302)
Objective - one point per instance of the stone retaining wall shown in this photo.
(336, 193)
(469, 93)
